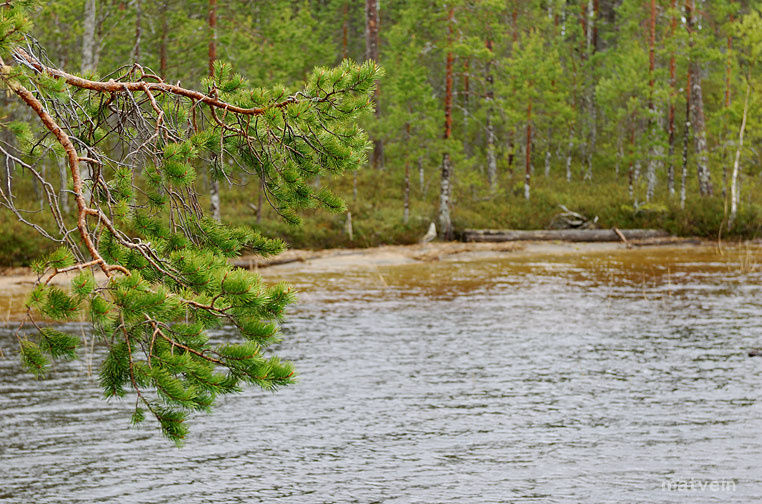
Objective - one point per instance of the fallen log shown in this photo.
(252, 263)
(572, 235)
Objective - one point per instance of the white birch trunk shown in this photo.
(734, 188)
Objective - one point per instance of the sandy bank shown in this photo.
(15, 283)
(307, 261)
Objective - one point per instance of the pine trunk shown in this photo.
(345, 32)
(138, 30)
(671, 117)
(697, 105)
(164, 40)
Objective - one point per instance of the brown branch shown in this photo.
(114, 87)
(72, 156)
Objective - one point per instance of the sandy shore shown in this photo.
(351, 259)
(15, 283)
(20, 280)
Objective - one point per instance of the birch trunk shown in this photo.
(445, 223)
(214, 187)
(528, 158)
(89, 64)
(734, 189)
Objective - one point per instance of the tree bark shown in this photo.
(445, 223)
(345, 32)
(89, 64)
(214, 186)
(651, 171)
(734, 192)
(569, 149)
(671, 116)
(591, 35)
(728, 68)
(528, 150)
(371, 53)
(138, 31)
(212, 35)
(406, 194)
(164, 40)
(89, 42)
(489, 98)
(697, 102)
(686, 139)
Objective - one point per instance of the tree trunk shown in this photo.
(345, 32)
(138, 31)
(631, 168)
(697, 103)
(214, 189)
(671, 119)
(651, 173)
(734, 192)
(528, 160)
(569, 149)
(728, 68)
(686, 139)
(89, 64)
(421, 174)
(591, 32)
(63, 196)
(466, 95)
(164, 38)
(406, 195)
(489, 98)
(371, 53)
(89, 42)
(406, 188)
(212, 35)
(574, 235)
(445, 224)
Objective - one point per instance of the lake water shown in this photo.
(619, 377)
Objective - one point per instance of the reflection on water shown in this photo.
(589, 378)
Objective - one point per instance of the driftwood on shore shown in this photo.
(572, 235)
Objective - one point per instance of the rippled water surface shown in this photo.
(579, 378)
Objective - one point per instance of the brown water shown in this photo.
(578, 378)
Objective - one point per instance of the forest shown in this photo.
(491, 114)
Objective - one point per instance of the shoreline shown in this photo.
(15, 283)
